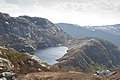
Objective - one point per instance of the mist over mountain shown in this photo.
(108, 32)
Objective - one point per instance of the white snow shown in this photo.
(35, 21)
(7, 22)
(43, 65)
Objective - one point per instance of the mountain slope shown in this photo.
(21, 62)
(29, 33)
(82, 32)
(90, 52)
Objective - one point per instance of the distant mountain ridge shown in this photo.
(92, 31)
(113, 29)
(29, 33)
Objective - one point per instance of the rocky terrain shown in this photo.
(29, 33)
(21, 62)
(89, 54)
(71, 75)
(23, 34)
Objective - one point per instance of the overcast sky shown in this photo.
(81, 12)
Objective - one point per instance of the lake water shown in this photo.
(50, 55)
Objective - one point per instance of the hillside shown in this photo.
(90, 53)
(110, 32)
(21, 62)
(68, 76)
(23, 34)
(29, 33)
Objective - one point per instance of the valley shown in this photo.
(34, 48)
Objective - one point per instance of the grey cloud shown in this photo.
(40, 2)
(77, 5)
(91, 5)
(22, 2)
(12, 1)
(17, 2)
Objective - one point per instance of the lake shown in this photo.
(50, 55)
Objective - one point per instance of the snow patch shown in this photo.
(7, 22)
(43, 65)
(35, 21)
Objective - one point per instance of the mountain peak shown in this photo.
(4, 16)
(29, 33)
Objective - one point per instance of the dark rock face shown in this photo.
(87, 52)
(29, 33)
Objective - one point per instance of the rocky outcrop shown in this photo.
(20, 62)
(29, 33)
(90, 53)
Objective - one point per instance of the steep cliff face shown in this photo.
(29, 33)
(90, 52)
